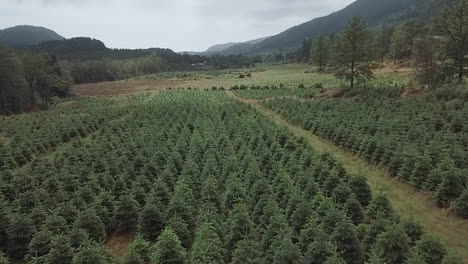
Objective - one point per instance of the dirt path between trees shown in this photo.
(407, 201)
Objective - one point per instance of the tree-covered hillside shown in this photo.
(373, 12)
(23, 36)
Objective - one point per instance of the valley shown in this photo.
(342, 139)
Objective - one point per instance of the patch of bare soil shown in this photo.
(400, 67)
(117, 243)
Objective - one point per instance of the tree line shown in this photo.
(29, 80)
(438, 49)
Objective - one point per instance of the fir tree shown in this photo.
(132, 258)
(20, 231)
(319, 250)
(239, 227)
(431, 249)
(207, 247)
(91, 253)
(361, 189)
(61, 250)
(347, 242)
(451, 188)
(40, 244)
(168, 249)
(461, 205)
(126, 214)
(380, 206)
(285, 251)
(354, 211)
(89, 221)
(392, 246)
(413, 229)
(141, 248)
(151, 222)
(247, 251)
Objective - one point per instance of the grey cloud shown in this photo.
(177, 24)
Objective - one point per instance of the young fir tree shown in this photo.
(168, 249)
(380, 206)
(353, 53)
(354, 211)
(332, 218)
(247, 251)
(285, 251)
(239, 227)
(61, 250)
(132, 258)
(451, 188)
(415, 258)
(208, 247)
(77, 237)
(20, 231)
(461, 205)
(274, 231)
(347, 242)
(181, 203)
(431, 249)
(373, 230)
(151, 222)
(319, 250)
(140, 247)
(375, 259)
(40, 244)
(420, 172)
(89, 221)
(309, 233)
(361, 189)
(413, 229)
(126, 214)
(92, 253)
(393, 246)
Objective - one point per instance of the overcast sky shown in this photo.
(182, 25)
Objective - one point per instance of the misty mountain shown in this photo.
(24, 36)
(374, 12)
(222, 47)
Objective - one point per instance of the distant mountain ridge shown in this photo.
(219, 48)
(24, 36)
(85, 48)
(374, 12)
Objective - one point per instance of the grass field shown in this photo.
(289, 75)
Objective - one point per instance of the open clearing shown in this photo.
(289, 75)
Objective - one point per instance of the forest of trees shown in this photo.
(438, 49)
(29, 80)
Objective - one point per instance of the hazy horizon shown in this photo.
(186, 25)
